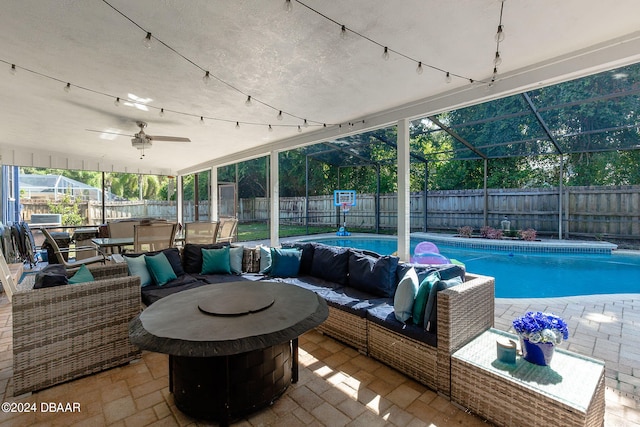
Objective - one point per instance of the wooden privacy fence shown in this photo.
(586, 211)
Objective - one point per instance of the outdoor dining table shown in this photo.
(112, 242)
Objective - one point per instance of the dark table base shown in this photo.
(225, 388)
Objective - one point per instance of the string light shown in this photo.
(237, 125)
(500, 34)
(305, 124)
(419, 69)
(447, 78)
(117, 102)
(67, 88)
(12, 70)
(280, 115)
(343, 32)
(161, 113)
(270, 128)
(385, 54)
(147, 41)
(248, 101)
(299, 129)
(497, 60)
(288, 6)
(207, 77)
(202, 120)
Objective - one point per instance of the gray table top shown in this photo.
(178, 325)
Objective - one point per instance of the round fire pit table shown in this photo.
(233, 347)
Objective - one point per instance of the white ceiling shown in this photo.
(293, 61)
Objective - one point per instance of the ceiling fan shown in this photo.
(143, 141)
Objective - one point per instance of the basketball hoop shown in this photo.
(345, 207)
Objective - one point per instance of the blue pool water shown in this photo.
(532, 275)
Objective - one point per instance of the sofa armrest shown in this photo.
(104, 271)
(465, 311)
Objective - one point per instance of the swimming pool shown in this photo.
(530, 275)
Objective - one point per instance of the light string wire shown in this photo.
(386, 48)
(497, 60)
(219, 79)
(250, 98)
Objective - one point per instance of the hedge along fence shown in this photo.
(587, 211)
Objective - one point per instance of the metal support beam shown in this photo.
(457, 137)
(486, 196)
(540, 120)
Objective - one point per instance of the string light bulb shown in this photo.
(147, 41)
(270, 128)
(67, 87)
(280, 115)
(497, 60)
(299, 129)
(237, 125)
(117, 102)
(201, 120)
(161, 113)
(447, 78)
(343, 32)
(305, 124)
(288, 6)
(207, 78)
(385, 54)
(12, 70)
(500, 34)
(419, 69)
(248, 101)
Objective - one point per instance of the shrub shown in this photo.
(491, 233)
(529, 234)
(465, 231)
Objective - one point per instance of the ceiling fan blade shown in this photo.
(110, 133)
(168, 138)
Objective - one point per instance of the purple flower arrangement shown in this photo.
(539, 327)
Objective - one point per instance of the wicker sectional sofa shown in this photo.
(66, 332)
(365, 320)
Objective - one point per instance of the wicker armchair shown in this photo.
(70, 331)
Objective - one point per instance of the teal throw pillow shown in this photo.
(422, 296)
(405, 295)
(431, 311)
(265, 260)
(160, 269)
(285, 262)
(235, 259)
(138, 267)
(216, 261)
(82, 275)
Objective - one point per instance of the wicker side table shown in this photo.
(569, 392)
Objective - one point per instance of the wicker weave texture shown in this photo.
(70, 331)
(464, 312)
(346, 327)
(413, 358)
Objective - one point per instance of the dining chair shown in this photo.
(153, 237)
(122, 228)
(200, 232)
(227, 229)
(60, 253)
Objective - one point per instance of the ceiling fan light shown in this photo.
(147, 41)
